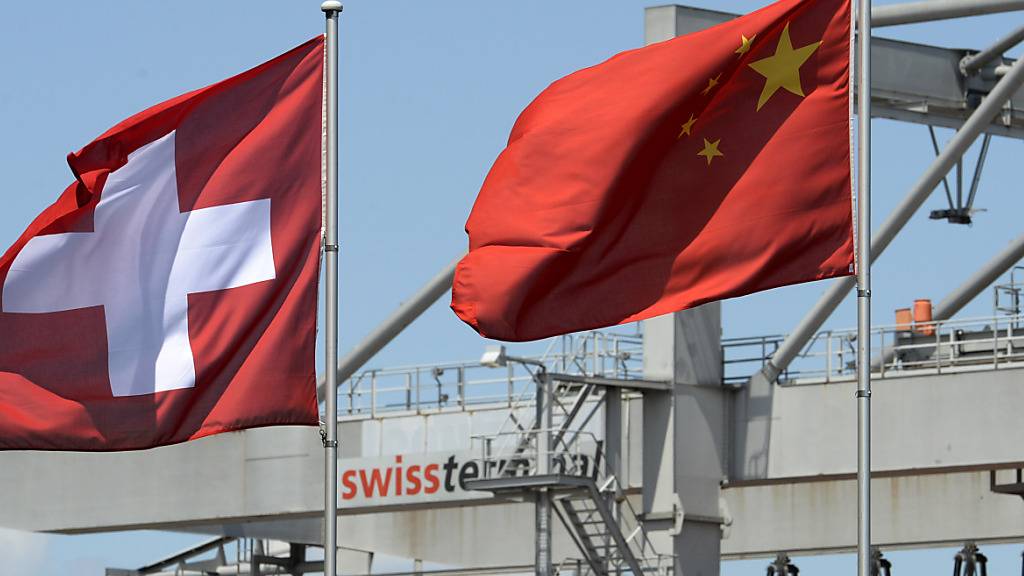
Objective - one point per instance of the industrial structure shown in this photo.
(657, 448)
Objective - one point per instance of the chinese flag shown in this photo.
(170, 292)
(705, 167)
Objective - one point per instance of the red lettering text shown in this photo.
(375, 482)
(430, 475)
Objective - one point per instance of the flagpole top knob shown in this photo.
(331, 6)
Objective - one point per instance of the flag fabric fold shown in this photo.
(170, 292)
(704, 167)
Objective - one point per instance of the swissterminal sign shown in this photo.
(431, 477)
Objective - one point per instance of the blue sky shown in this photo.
(429, 93)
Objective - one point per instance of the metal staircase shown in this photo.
(229, 555)
(555, 461)
(611, 541)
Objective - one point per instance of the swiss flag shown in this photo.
(170, 292)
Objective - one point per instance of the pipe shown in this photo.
(974, 62)
(969, 132)
(386, 331)
(977, 172)
(981, 279)
(331, 10)
(928, 10)
(863, 257)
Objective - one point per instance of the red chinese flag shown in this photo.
(708, 166)
(170, 292)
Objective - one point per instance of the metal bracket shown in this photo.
(1016, 488)
(863, 394)
(330, 247)
(863, 293)
(679, 515)
(961, 211)
(327, 443)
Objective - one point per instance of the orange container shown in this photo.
(903, 320)
(923, 317)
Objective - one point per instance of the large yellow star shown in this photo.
(745, 44)
(710, 150)
(687, 127)
(782, 69)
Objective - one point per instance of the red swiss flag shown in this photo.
(170, 292)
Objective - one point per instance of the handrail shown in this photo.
(979, 343)
(571, 464)
(461, 385)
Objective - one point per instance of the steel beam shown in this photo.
(929, 10)
(972, 128)
(179, 557)
(393, 325)
(923, 85)
(264, 482)
(910, 82)
(980, 280)
(543, 564)
(629, 383)
(946, 508)
(974, 62)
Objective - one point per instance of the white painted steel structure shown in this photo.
(659, 439)
(250, 490)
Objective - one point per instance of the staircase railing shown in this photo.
(582, 458)
(637, 536)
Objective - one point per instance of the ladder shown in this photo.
(607, 533)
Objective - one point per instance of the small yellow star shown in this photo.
(711, 84)
(687, 126)
(782, 69)
(745, 44)
(710, 150)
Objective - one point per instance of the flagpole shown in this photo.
(331, 9)
(863, 14)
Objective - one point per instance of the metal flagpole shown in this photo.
(331, 9)
(864, 288)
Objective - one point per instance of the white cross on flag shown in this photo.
(170, 292)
